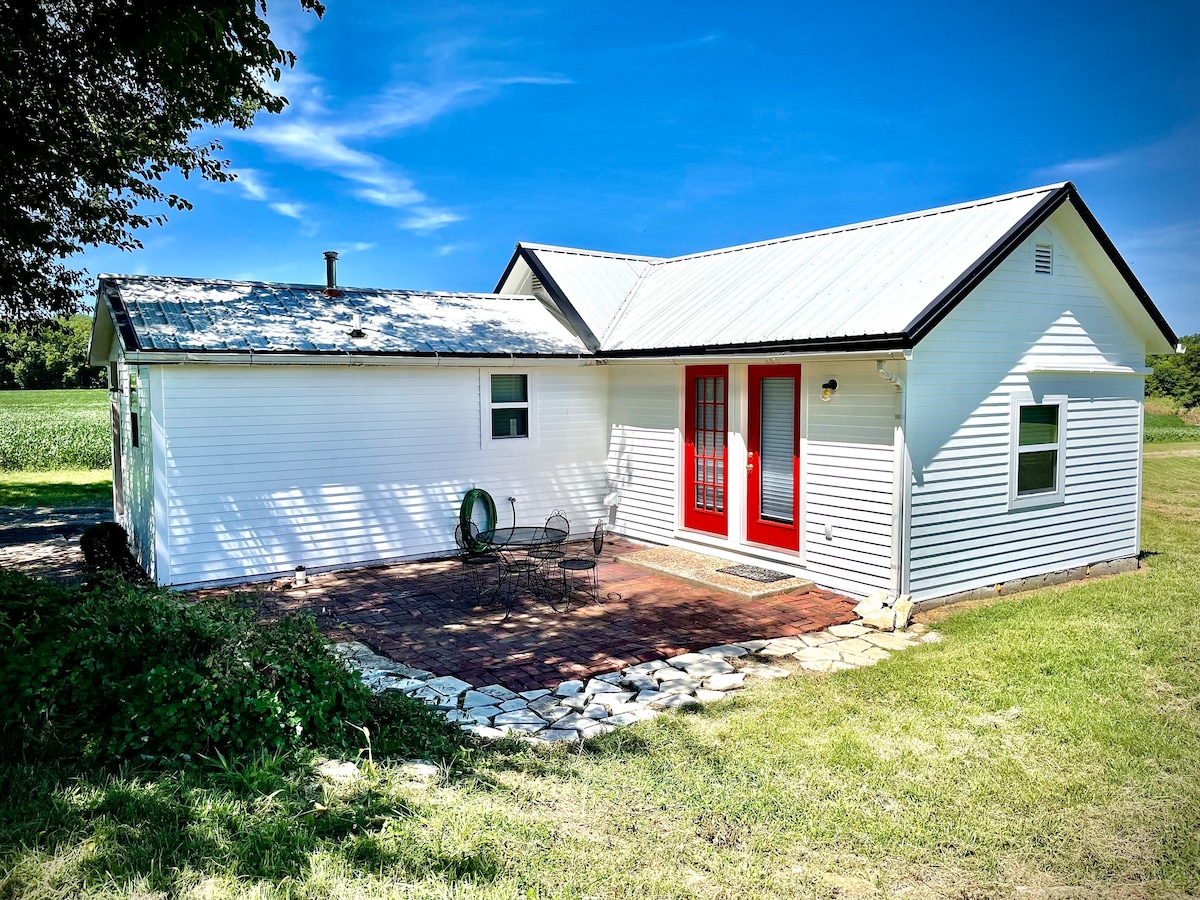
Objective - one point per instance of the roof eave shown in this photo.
(844, 344)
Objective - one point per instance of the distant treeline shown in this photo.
(53, 356)
(1177, 375)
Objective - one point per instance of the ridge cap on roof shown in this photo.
(318, 288)
(579, 251)
(870, 223)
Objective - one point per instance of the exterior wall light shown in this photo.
(828, 388)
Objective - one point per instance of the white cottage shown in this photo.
(928, 404)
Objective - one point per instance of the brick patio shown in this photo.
(412, 613)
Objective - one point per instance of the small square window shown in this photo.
(510, 406)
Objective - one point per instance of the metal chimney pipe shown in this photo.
(331, 268)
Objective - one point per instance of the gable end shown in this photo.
(946, 301)
(542, 274)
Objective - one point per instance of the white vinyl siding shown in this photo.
(137, 468)
(268, 468)
(847, 476)
(643, 449)
(962, 382)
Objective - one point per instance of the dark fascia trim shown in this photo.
(120, 316)
(941, 306)
(881, 342)
(508, 269)
(986, 264)
(580, 327)
(1117, 260)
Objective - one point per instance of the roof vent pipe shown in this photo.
(331, 269)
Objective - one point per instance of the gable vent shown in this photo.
(1043, 259)
(537, 285)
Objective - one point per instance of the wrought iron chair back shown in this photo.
(585, 564)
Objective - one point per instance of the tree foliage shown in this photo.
(1177, 375)
(50, 355)
(98, 100)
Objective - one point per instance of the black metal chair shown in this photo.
(475, 565)
(552, 552)
(586, 564)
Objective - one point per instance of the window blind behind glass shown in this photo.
(777, 449)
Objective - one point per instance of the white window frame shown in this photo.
(486, 406)
(1040, 498)
(134, 389)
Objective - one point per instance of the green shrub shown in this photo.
(120, 671)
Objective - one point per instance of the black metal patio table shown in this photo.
(509, 541)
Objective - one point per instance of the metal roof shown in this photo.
(198, 315)
(875, 278)
(596, 283)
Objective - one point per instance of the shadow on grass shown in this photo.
(261, 819)
(17, 490)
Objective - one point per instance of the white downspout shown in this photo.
(899, 567)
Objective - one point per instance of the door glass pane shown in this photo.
(777, 450)
(1037, 471)
(708, 443)
(1039, 425)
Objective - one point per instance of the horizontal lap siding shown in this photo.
(643, 449)
(269, 468)
(961, 381)
(848, 475)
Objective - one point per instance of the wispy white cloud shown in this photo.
(291, 210)
(709, 38)
(360, 247)
(249, 181)
(426, 220)
(446, 249)
(1180, 148)
(316, 132)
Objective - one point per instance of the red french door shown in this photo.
(773, 460)
(705, 494)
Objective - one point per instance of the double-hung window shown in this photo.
(1038, 466)
(509, 397)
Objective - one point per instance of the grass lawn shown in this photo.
(1048, 746)
(60, 488)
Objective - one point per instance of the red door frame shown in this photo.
(712, 521)
(758, 529)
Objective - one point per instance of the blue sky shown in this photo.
(424, 140)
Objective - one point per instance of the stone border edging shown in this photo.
(575, 710)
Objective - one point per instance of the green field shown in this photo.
(48, 430)
(1047, 747)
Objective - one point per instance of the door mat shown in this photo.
(754, 573)
(705, 572)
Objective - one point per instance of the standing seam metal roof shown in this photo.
(872, 278)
